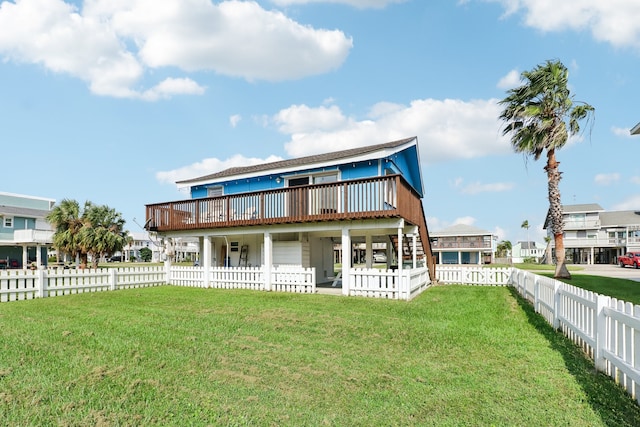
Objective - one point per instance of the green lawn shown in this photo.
(455, 356)
(627, 290)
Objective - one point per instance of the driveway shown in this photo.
(608, 270)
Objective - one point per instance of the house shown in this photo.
(463, 244)
(25, 234)
(292, 212)
(635, 130)
(522, 251)
(593, 235)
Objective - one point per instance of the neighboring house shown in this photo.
(143, 240)
(25, 234)
(593, 235)
(522, 251)
(292, 212)
(463, 244)
(635, 130)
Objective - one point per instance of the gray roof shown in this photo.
(460, 230)
(582, 208)
(528, 245)
(635, 130)
(619, 218)
(301, 161)
(22, 212)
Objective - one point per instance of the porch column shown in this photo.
(38, 256)
(592, 260)
(368, 251)
(415, 248)
(400, 251)
(268, 260)
(205, 259)
(459, 257)
(25, 257)
(346, 260)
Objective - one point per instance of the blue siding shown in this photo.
(405, 163)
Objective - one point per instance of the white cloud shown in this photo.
(447, 129)
(631, 203)
(606, 178)
(509, 81)
(635, 179)
(361, 4)
(209, 166)
(623, 132)
(466, 220)
(500, 232)
(113, 44)
(234, 120)
(612, 21)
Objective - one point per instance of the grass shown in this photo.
(627, 290)
(455, 356)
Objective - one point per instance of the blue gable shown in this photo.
(401, 160)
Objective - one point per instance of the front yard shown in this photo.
(455, 355)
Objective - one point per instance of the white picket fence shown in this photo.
(283, 278)
(606, 328)
(473, 275)
(16, 285)
(378, 283)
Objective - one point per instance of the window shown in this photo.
(214, 191)
(8, 222)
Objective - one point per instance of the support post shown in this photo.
(268, 260)
(205, 261)
(602, 301)
(346, 260)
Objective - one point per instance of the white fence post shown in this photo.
(602, 301)
(536, 294)
(42, 283)
(556, 305)
(113, 279)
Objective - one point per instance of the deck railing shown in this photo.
(363, 198)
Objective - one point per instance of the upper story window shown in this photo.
(214, 191)
(8, 222)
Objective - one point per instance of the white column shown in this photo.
(415, 249)
(268, 260)
(25, 258)
(38, 256)
(459, 257)
(400, 251)
(592, 260)
(205, 259)
(368, 251)
(346, 260)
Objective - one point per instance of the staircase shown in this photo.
(407, 247)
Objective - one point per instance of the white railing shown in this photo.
(468, 275)
(607, 329)
(33, 236)
(377, 283)
(16, 285)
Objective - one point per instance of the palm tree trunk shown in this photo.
(555, 214)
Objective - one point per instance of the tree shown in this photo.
(503, 248)
(95, 230)
(146, 254)
(66, 220)
(525, 225)
(540, 116)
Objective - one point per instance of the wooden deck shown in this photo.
(383, 197)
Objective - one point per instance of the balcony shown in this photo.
(41, 237)
(379, 197)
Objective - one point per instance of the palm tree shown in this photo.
(540, 116)
(525, 225)
(95, 230)
(66, 220)
(503, 248)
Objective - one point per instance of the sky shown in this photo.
(113, 101)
